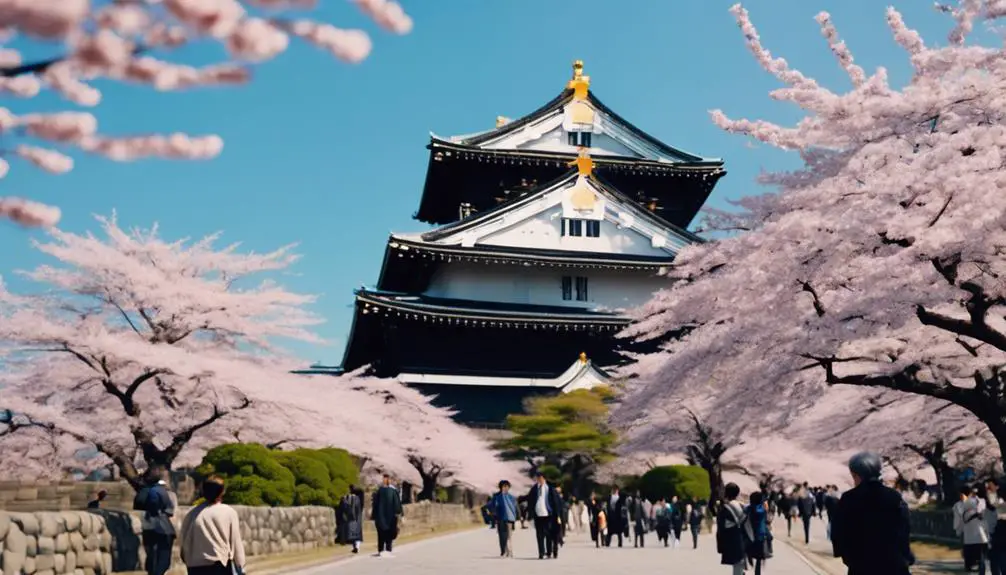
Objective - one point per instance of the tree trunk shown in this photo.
(429, 491)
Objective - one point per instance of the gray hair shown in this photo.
(865, 465)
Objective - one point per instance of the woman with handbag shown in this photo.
(211, 535)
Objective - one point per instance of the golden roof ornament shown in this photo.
(502, 121)
(580, 84)
(583, 162)
(583, 357)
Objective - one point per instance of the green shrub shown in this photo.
(343, 468)
(313, 484)
(256, 475)
(252, 474)
(685, 481)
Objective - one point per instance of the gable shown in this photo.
(608, 135)
(538, 222)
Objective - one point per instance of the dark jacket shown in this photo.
(870, 531)
(830, 505)
(553, 502)
(350, 514)
(806, 505)
(617, 515)
(387, 507)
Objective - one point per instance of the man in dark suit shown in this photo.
(870, 530)
(618, 516)
(387, 508)
(545, 505)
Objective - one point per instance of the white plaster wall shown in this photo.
(606, 289)
(542, 231)
(556, 141)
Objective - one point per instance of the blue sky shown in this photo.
(332, 156)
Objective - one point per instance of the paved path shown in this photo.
(477, 552)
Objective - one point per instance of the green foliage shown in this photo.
(252, 474)
(685, 481)
(259, 476)
(566, 436)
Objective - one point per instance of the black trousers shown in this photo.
(610, 535)
(695, 536)
(596, 537)
(806, 529)
(384, 539)
(215, 569)
(158, 550)
(505, 531)
(544, 532)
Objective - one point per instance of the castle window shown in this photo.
(579, 139)
(593, 228)
(572, 227)
(567, 288)
(581, 288)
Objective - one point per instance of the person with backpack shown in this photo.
(350, 513)
(662, 517)
(758, 532)
(730, 525)
(211, 541)
(695, 523)
(158, 504)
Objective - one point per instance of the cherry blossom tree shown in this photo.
(144, 352)
(863, 305)
(132, 41)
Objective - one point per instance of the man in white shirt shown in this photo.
(545, 507)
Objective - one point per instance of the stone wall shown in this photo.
(934, 524)
(105, 541)
(31, 496)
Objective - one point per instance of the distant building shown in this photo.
(550, 226)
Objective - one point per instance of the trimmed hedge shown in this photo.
(258, 476)
(688, 482)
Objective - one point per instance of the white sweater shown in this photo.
(212, 534)
(970, 523)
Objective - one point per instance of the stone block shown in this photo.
(44, 571)
(45, 562)
(29, 566)
(105, 540)
(71, 520)
(60, 563)
(11, 562)
(26, 521)
(76, 542)
(62, 542)
(26, 493)
(91, 542)
(89, 560)
(46, 545)
(31, 545)
(49, 524)
(71, 561)
(86, 523)
(106, 562)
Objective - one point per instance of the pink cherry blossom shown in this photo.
(860, 306)
(132, 42)
(28, 213)
(148, 352)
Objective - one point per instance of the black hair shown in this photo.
(732, 491)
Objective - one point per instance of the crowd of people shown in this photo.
(980, 522)
(610, 519)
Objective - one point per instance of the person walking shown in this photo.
(211, 534)
(594, 510)
(617, 515)
(386, 510)
(695, 523)
(830, 504)
(504, 508)
(677, 520)
(807, 506)
(563, 516)
(730, 534)
(545, 506)
(758, 532)
(995, 520)
(870, 530)
(158, 504)
(522, 509)
(350, 524)
(640, 520)
(972, 528)
(662, 518)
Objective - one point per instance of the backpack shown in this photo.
(140, 499)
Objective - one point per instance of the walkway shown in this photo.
(478, 552)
